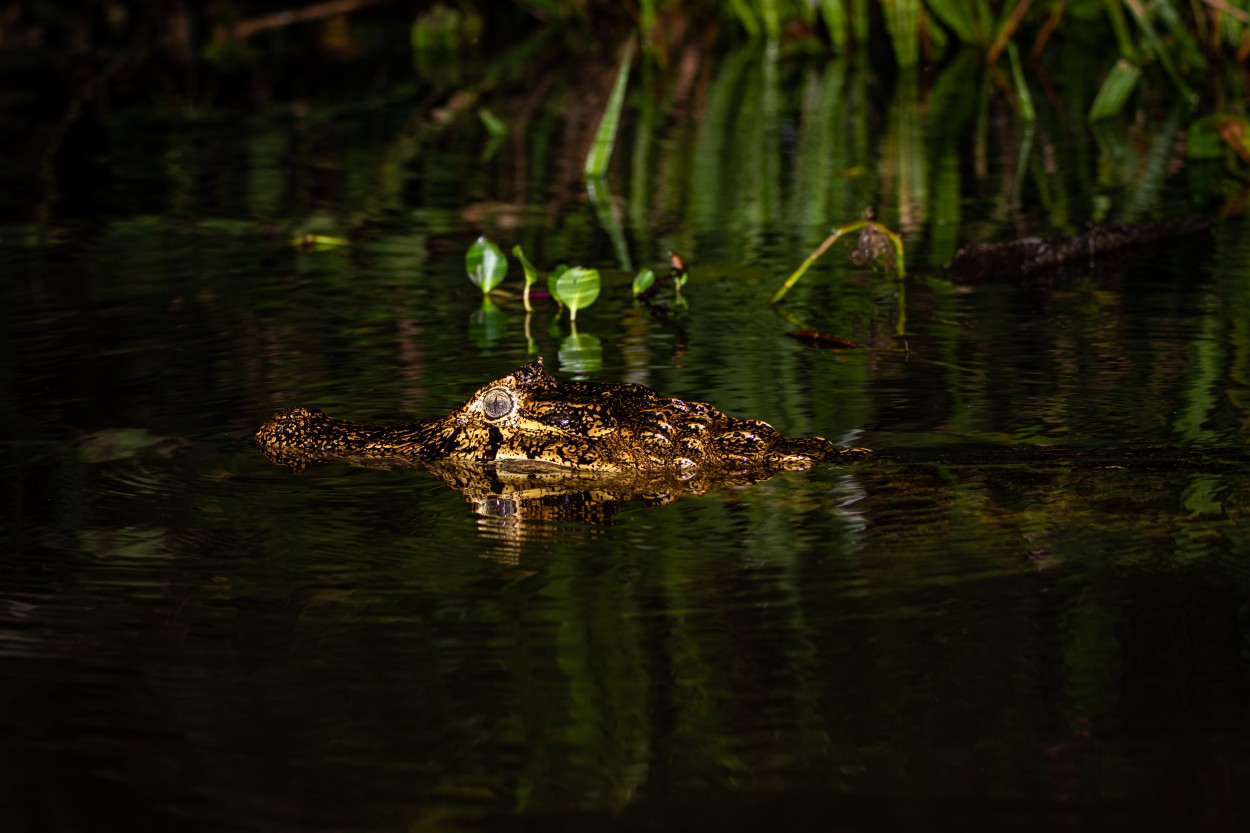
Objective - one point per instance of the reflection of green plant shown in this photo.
(605, 137)
(581, 353)
(488, 325)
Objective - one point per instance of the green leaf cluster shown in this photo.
(576, 287)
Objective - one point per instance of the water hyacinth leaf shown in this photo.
(605, 137)
(486, 264)
(554, 278)
(643, 281)
(531, 274)
(1115, 90)
(577, 288)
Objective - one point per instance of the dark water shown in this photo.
(1032, 611)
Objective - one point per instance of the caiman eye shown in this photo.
(497, 403)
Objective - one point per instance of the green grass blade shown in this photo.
(859, 20)
(1115, 90)
(834, 14)
(772, 18)
(1186, 48)
(902, 21)
(1123, 39)
(956, 15)
(746, 17)
(605, 137)
(493, 124)
(646, 19)
(1021, 84)
(1164, 55)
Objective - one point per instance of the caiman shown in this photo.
(528, 422)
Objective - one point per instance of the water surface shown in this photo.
(1030, 611)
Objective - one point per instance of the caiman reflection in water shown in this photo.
(532, 446)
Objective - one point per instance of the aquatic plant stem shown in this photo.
(837, 233)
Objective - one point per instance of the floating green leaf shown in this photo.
(577, 288)
(486, 264)
(643, 281)
(531, 274)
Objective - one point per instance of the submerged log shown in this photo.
(988, 261)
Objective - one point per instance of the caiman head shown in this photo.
(528, 421)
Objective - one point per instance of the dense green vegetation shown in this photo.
(485, 69)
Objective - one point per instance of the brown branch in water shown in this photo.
(1007, 31)
(1048, 28)
(822, 341)
(988, 261)
(319, 11)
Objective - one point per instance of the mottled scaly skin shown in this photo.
(529, 421)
